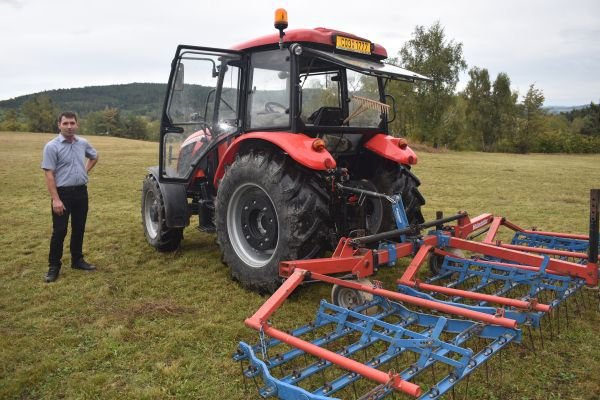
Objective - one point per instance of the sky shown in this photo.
(56, 44)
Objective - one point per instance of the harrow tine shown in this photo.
(530, 334)
(243, 378)
(584, 304)
(487, 374)
(501, 370)
(577, 294)
(551, 327)
(542, 334)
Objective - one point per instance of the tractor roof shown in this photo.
(323, 36)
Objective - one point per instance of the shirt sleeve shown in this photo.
(49, 158)
(90, 151)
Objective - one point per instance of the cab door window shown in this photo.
(202, 108)
(269, 97)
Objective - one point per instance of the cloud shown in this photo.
(13, 3)
(115, 41)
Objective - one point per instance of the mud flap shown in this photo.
(175, 197)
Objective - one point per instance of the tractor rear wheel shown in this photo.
(157, 233)
(268, 210)
(393, 179)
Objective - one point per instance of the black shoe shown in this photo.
(81, 264)
(52, 274)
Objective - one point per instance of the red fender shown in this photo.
(296, 145)
(388, 147)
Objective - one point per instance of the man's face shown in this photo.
(68, 127)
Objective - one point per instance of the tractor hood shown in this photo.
(369, 67)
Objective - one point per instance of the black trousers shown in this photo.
(75, 199)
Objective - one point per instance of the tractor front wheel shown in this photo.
(157, 233)
(268, 210)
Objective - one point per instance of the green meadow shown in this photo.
(148, 325)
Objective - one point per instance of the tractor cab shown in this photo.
(320, 82)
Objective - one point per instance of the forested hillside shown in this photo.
(142, 99)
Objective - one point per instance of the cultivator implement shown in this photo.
(440, 324)
(392, 345)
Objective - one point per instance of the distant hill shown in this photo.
(561, 109)
(142, 99)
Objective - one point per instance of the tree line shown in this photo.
(488, 115)
(39, 113)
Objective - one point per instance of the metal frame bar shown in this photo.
(350, 258)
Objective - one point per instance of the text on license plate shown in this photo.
(358, 46)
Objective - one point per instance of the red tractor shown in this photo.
(262, 142)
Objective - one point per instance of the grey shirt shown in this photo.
(67, 160)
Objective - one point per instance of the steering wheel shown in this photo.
(197, 118)
(272, 106)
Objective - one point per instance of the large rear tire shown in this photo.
(394, 179)
(161, 237)
(268, 210)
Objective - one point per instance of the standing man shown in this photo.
(66, 173)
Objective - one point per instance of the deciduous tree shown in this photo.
(431, 54)
(532, 121)
(480, 107)
(10, 122)
(504, 114)
(40, 113)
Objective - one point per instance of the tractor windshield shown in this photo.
(323, 93)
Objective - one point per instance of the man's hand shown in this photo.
(58, 207)
(90, 163)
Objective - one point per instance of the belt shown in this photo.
(70, 188)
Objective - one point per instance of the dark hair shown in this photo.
(66, 114)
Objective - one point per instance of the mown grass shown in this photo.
(152, 326)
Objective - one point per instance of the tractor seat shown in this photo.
(327, 116)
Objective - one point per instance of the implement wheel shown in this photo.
(156, 231)
(350, 298)
(267, 211)
(393, 179)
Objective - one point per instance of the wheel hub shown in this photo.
(154, 212)
(259, 221)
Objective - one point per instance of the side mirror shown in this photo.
(179, 78)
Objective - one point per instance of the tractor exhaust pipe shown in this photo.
(594, 225)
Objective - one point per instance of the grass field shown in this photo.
(155, 326)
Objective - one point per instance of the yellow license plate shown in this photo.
(357, 46)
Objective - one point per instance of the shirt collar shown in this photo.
(62, 139)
